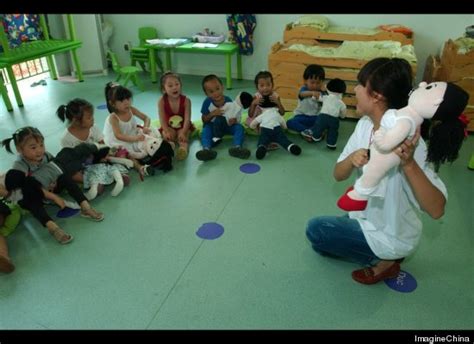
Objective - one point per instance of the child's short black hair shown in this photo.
(264, 74)
(336, 85)
(314, 71)
(210, 77)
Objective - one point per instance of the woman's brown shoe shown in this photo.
(366, 275)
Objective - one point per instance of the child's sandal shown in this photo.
(92, 214)
(61, 236)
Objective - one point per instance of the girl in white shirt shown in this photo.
(80, 116)
(388, 229)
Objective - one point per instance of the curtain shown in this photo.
(241, 27)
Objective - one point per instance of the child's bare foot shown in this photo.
(92, 214)
(181, 154)
(6, 265)
(61, 236)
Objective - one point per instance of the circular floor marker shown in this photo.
(102, 107)
(67, 212)
(249, 168)
(404, 282)
(210, 231)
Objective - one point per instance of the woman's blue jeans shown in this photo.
(340, 236)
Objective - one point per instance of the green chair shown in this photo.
(140, 54)
(28, 51)
(127, 72)
(4, 92)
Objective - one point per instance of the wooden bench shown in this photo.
(36, 49)
(227, 49)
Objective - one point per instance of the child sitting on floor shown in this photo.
(333, 108)
(270, 118)
(174, 111)
(308, 108)
(81, 129)
(215, 122)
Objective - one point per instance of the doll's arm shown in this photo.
(343, 110)
(282, 122)
(55, 198)
(256, 121)
(388, 139)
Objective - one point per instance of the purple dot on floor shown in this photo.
(210, 231)
(102, 107)
(404, 282)
(249, 168)
(67, 212)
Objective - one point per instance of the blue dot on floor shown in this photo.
(403, 283)
(210, 231)
(102, 107)
(249, 168)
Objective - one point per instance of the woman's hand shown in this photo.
(360, 157)
(407, 148)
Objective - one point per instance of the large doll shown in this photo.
(441, 102)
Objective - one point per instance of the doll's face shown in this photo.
(426, 99)
(152, 145)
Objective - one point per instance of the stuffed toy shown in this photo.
(154, 151)
(234, 109)
(440, 102)
(112, 174)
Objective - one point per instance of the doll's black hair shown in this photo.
(245, 99)
(446, 132)
(31, 188)
(336, 85)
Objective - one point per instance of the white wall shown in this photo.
(431, 31)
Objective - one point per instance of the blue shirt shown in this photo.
(208, 106)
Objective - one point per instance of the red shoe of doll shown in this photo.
(348, 204)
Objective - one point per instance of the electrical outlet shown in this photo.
(127, 46)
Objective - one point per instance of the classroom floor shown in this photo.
(144, 267)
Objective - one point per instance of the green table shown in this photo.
(227, 49)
